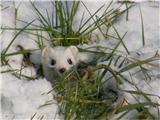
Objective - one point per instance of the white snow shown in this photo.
(25, 98)
(22, 98)
(133, 27)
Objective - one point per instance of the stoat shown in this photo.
(55, 61)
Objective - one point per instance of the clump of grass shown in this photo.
(60, 29)
(82, 96)
(59, 25)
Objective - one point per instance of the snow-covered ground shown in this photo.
(21, 98)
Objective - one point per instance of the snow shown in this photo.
(133, 28)
(8, 14)
(22, 98)
(25, 97)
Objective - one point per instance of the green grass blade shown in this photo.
(143, 37)
(120, 38)
(90, 16)
(136, 106)
(138, 63)
(139, 93)
(40, 14)
(115, 48)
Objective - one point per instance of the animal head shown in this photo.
(60, 59)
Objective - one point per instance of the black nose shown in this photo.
(62, 70)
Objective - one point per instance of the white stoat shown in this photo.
(59, 59)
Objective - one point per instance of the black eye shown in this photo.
(69, 61)
(53, 62)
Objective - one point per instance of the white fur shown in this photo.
(60, 55)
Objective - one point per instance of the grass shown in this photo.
(143, 37)
(80, 92)
(82, 96)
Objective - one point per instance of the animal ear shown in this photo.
(46, 52)
(73, 51)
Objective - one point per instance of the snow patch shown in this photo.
(23, 98)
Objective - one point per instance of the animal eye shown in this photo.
(69, 61)
(53, 62)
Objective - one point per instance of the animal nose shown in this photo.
(62, 70)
